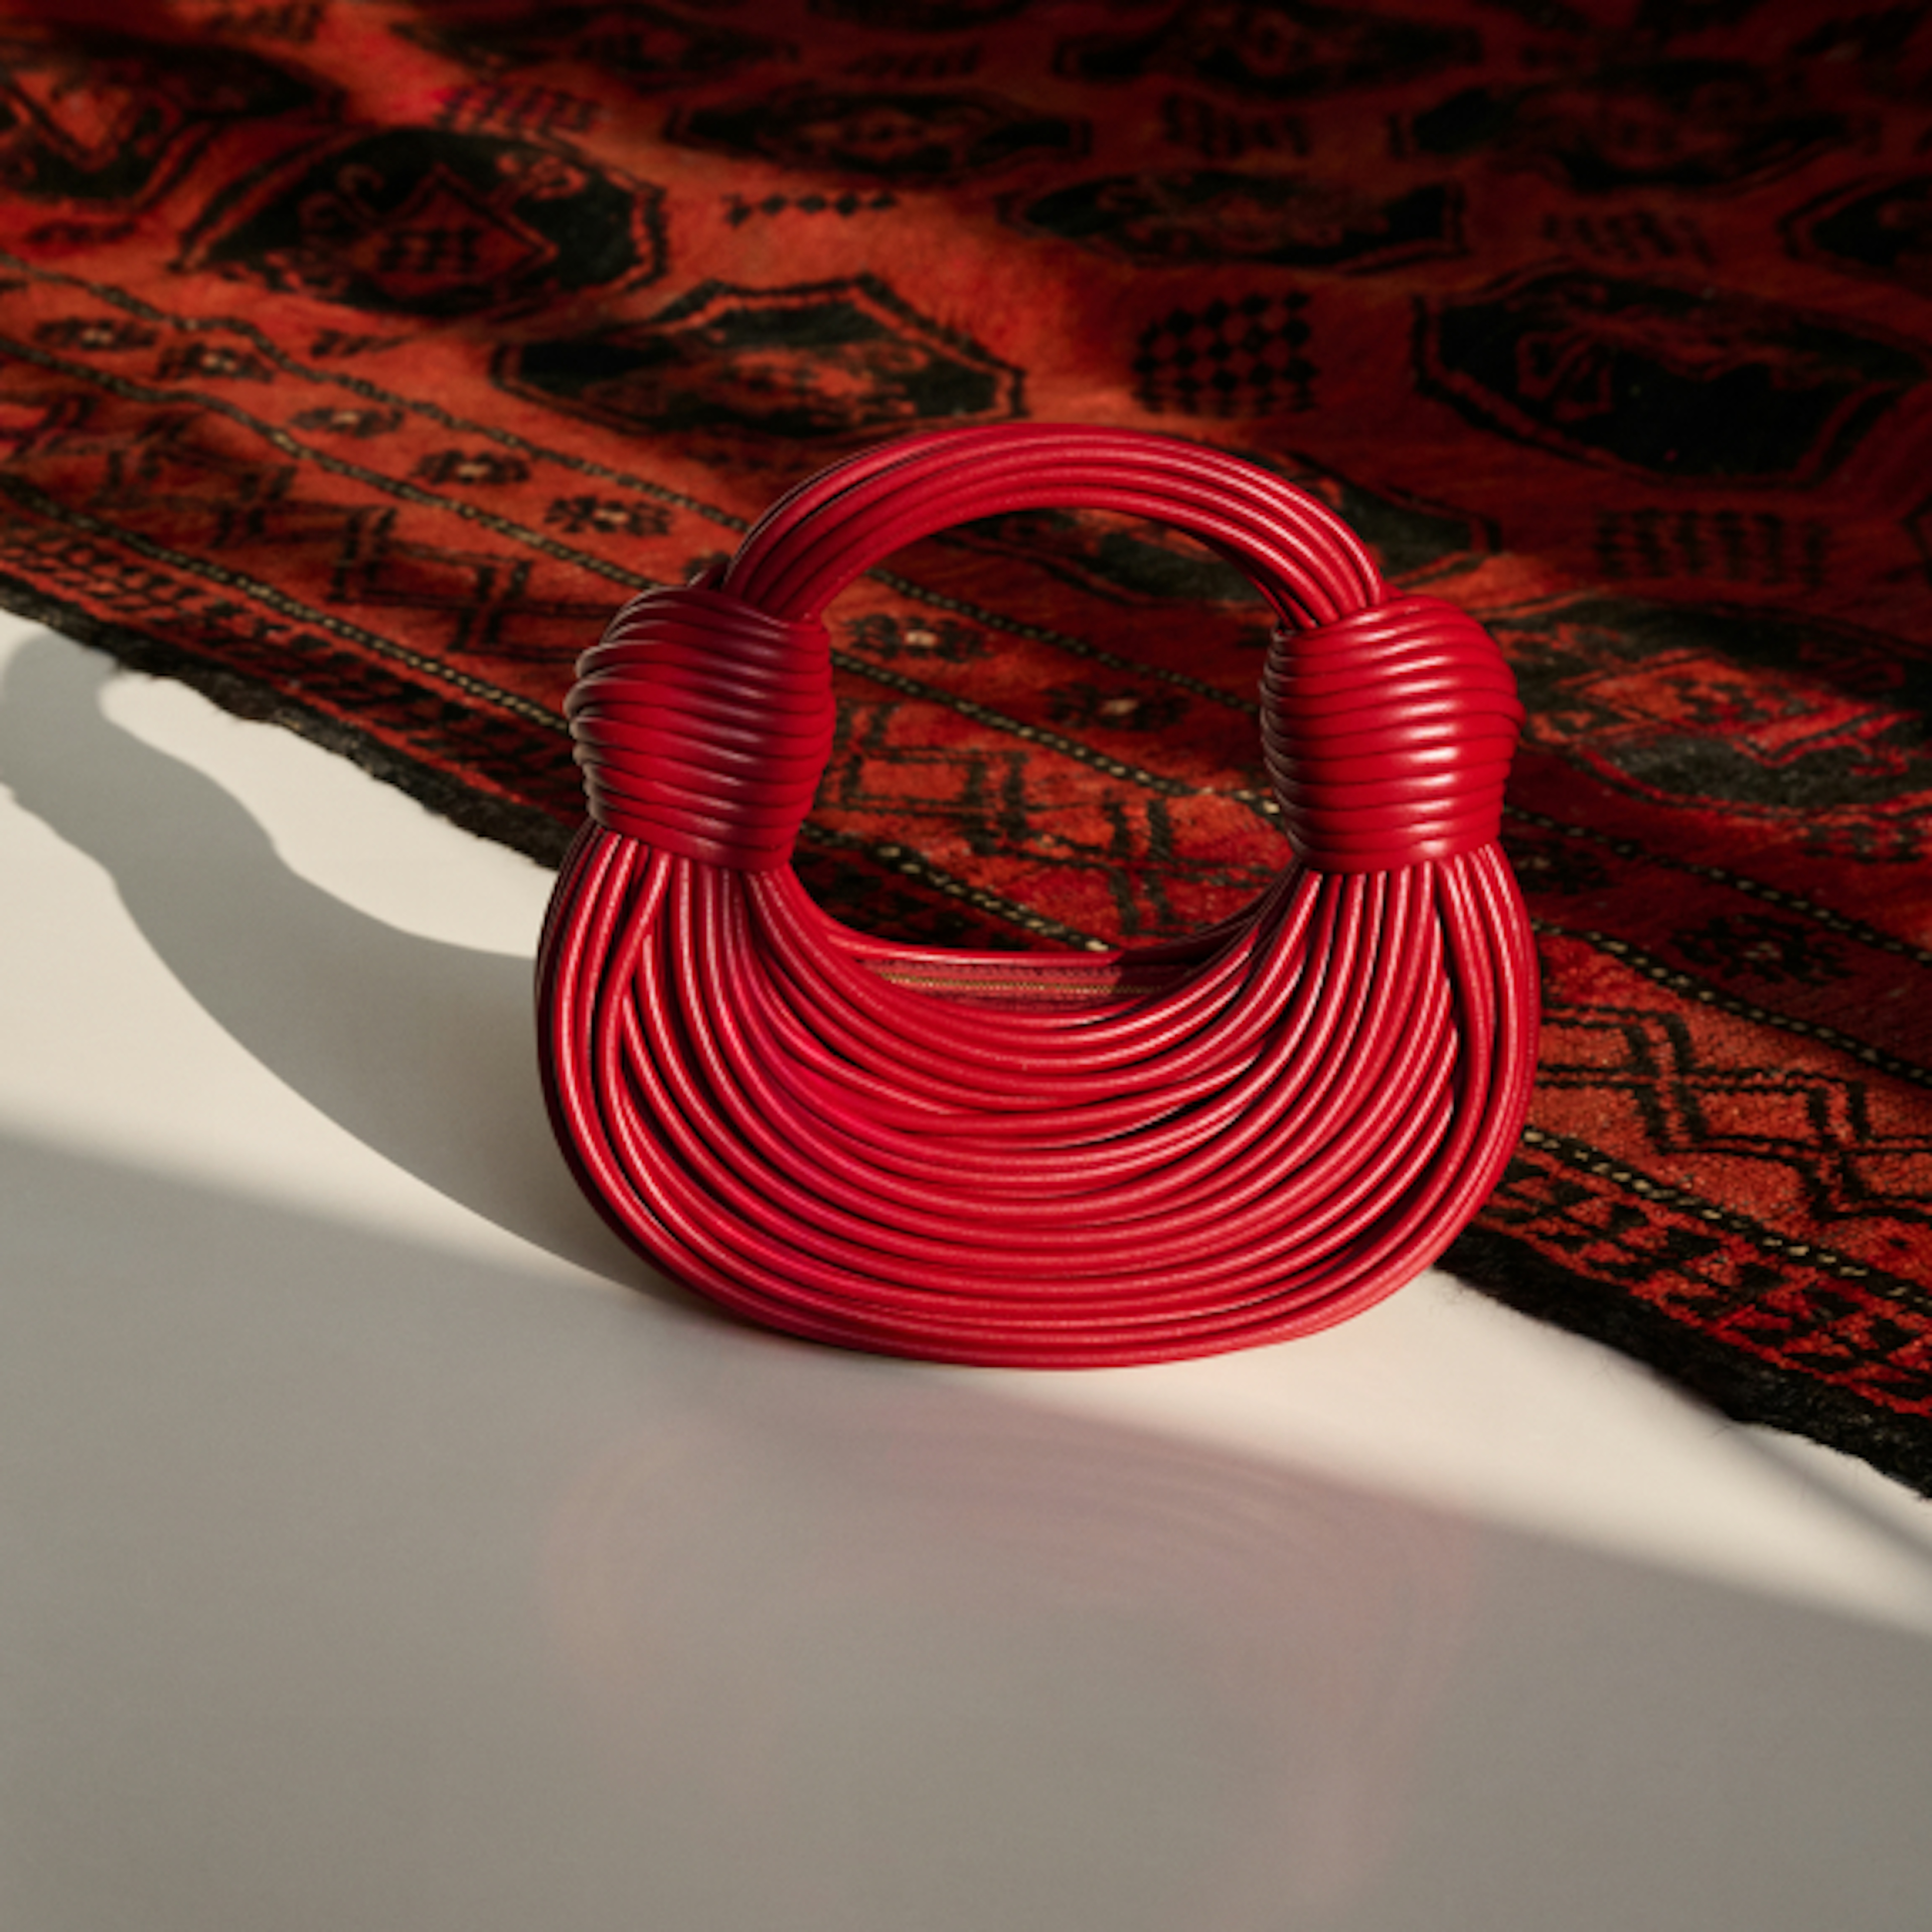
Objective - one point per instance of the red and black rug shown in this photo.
(358, 357)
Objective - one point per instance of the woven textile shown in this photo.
(358, 357)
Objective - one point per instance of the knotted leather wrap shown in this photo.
(703, 726)
(1387, 736)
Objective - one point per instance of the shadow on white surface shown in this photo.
(421, 1050)
(349, 1582)
(219, 988)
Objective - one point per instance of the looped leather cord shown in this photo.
(1055, 1158)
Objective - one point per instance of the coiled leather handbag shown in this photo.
(1046, 1159)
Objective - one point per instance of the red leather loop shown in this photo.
(1065, 1159)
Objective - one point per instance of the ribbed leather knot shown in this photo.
(1387, 736)
(703, 726)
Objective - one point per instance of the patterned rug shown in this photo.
(357, 357)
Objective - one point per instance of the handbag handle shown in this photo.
(1064, 1159)
(704, 720)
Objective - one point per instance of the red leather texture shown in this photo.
(1057, 1159)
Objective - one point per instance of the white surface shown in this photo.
(379, 1546)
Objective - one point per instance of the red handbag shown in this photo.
(1053, 1159)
